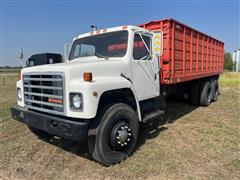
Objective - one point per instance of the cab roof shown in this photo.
(107, 30)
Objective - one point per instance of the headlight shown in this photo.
(76, 101)
(19, 94)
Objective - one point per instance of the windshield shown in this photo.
(113, 44)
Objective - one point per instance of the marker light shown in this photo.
(87, 76)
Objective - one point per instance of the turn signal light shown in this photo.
(87, 76)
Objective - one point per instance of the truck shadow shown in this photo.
(177, 109)
(174, 111)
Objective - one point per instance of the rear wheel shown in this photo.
(205, 94)
(41, 134)
(115, 137)
(194, 94)
(215, 90)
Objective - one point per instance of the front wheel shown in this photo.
(115, 136)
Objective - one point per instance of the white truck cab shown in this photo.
(107, 86)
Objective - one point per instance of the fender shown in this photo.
(109, 84)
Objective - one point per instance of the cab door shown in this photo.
(145, 67)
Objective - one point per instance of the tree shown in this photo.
(228, 62)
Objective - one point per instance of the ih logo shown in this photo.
(58, 101)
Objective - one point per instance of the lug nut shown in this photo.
(128, 139)
(117, 137)
(129, 129)
(122, 144)
(125, 143)
(129, 134)
(119, 142)
(122, 127)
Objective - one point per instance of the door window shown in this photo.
(141, 47)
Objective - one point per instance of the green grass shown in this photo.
(9, 71)
(230, 79)
(194, 143)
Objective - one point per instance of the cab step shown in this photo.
(156, 115)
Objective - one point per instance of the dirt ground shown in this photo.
(192, 143)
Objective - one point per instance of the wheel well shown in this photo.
(124, 95)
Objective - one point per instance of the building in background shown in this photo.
(236, 60)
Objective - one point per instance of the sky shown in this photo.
(39, 26)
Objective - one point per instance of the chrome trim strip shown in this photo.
(44, 95)
(44, 103)
(43, 87)
(42, 79)
(43, 110)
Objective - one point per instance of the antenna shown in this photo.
(93, 27)
(21, 57)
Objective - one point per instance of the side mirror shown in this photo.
(67, 48)
(157, 43)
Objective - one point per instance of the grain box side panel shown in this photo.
(188, 54)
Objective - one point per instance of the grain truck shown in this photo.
(115, 79)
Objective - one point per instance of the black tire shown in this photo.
(215, 90)
(205, 94)
(194, 94)
(41, 134)
(102, 139)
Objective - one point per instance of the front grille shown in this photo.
(44, 92)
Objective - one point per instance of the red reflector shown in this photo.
(59, 101)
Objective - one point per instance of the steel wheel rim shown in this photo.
(120, 136)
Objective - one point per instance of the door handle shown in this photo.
(155, 76)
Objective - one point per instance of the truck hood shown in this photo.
(74, 69)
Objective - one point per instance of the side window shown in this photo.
(87, 50)
(30, 64)
(139, 49)
(84, 50)
(77, 51)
